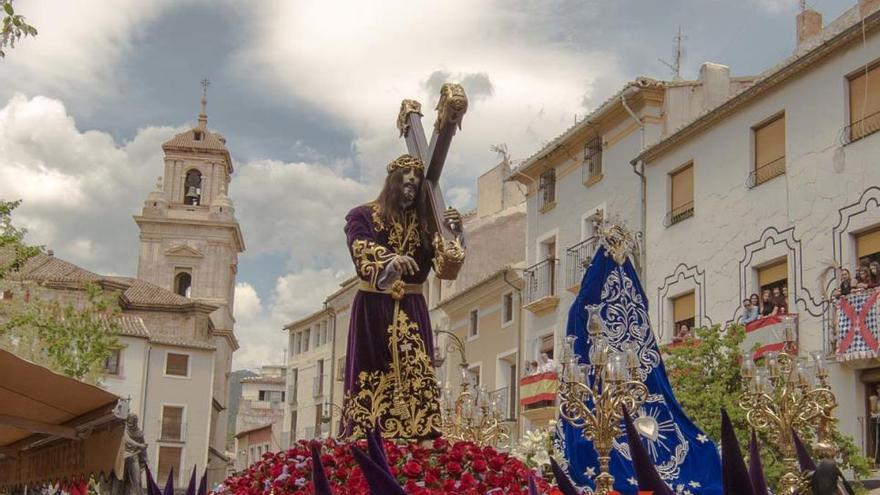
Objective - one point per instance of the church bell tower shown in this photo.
(189, 236)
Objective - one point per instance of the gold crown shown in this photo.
(405, 161)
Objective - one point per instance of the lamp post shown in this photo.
(789, 393)
(471, 415)
(593, 396)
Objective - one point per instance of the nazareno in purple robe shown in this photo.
(389, 373)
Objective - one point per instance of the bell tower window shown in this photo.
(192, 187)
(183, 284)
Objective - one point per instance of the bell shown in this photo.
(192, 195)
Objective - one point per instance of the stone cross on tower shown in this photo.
(451, 108)
(203, 114)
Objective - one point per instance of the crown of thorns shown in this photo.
(405, 161)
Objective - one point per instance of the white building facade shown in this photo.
(775, 186)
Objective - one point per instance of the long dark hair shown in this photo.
(390, 199)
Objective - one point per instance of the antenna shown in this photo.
(677, 55)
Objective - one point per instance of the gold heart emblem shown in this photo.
(647, 427)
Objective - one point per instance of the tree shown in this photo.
(705, 375)
(13, 27)
(74, 337)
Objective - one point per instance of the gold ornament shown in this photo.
(404, 162)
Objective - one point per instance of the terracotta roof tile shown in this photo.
(210, 140)
(179, 342)
(140, 292)
(47, 268)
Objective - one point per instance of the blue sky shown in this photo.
(306, 94)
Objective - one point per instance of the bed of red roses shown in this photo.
(462, 468)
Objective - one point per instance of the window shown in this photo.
(868, 246)
(340, 369)
(474, 375)
(293, 426)
(172, 423)
(319, 415)
(192, 190)
(297, 343)
(272, 395)
(769, 151)
(294, 377)
(547, 190)
(474, 325)
(592, 171)
(507, 308)
(546, 346)
(319, 380)
(864, 103)
(253, 457)
(6, 295)
(307, 336)
(183, 284)
(169, 458)
(111, 362)
(773, 276)
(682, 195)
(683, 312)
(177, 364)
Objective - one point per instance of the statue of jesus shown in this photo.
(390, 382)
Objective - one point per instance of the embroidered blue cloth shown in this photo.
(685, 458)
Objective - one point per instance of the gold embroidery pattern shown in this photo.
(404, 237)
(370, 258)
(404, 401)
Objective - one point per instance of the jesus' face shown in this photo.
(409, 186)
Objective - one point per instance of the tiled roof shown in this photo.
(143, 293)
(133, 326)
(210, 141)
(178, 342)
(47, 268)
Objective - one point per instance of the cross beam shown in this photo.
(451, 108)
(39, 427)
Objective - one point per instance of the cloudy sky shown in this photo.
(307, 93)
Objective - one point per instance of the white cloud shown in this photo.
(357, 60)
(80, 188)
(79, 45)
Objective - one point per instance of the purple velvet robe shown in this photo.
(389, 374)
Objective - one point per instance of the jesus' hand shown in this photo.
(405, 265)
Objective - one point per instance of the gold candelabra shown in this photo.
(593, 396)
(472, 415)
(788, 394)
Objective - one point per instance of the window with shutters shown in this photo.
(592, 168)
(111, 362)
(307, 337)
(769, 159)
(169, 459)
(868, 246)
(474, 375)
(773, 276)
(683, 315)
(172, 424)
(681, 197)
(546, 345)
(547, 190)
(474, 324)
(507, 309)
(177, 365)
(864, 103)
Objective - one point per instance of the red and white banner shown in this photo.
(858, 328)
(769, 333)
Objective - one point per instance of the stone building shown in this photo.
(259, 422)
(771, 188)
(309, 364)
(177, 335)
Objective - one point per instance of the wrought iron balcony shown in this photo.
(766, 172)
(861, 128)
(676, 215)
(540, 280)
(577, 259)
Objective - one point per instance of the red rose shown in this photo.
(468, 481)
(496, 462)
(480, 466)
(412, 469)
(453, 468)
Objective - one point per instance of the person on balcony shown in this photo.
(548, 365)
(845, 286)
(780, 302)
(874, 269)
(863, 277)
(767, 306)
(750, 311)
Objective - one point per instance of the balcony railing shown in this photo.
(766, 172)
(678, 214)
(861, 128)
(538, 390)
(852, 331)
(540, 280)
(506, 401)
(577, 259)
(592, 168)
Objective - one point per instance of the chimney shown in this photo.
(809, 26)
(715, 79)
(867, 7)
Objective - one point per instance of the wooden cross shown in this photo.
(451, 108)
